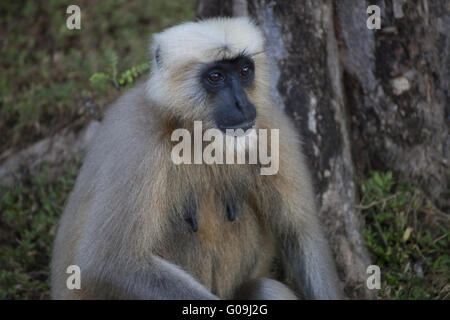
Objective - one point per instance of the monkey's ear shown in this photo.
(158, 57)
(156, 52)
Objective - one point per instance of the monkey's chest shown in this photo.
(221, 254)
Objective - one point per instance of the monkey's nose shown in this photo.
(241, 102)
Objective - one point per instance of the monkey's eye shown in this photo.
(245, 71)
(215, 77)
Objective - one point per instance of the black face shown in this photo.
(225, 82)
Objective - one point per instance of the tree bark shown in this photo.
(397, 88)
(362, 99)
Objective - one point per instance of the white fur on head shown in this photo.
(207, 41)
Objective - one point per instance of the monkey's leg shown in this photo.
(264, 289)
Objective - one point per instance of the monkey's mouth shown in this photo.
(242, 126)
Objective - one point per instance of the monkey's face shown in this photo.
(225, 83)
(214, 71)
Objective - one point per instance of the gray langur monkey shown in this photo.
(140, 226)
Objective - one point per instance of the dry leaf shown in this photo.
(407, 234)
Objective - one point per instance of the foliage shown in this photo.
(100, 79)
(29, 212)
(408, 237)
(45, 67)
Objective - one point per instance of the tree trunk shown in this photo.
(362, 99)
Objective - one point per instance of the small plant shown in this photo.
(100, 80)
(408, 238)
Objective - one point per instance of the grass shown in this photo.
(45, 67)
(29, 214)
(408, 238)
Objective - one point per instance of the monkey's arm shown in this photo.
(171, 282)
(306, 254)
(307, 259)
(264, 289)
(161, 280)
(118, 264)
(308, 262)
